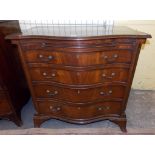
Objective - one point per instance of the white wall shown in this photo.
(145, 73)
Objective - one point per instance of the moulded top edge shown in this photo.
(78, 33)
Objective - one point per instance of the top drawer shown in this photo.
(79, 58)
(45, 44)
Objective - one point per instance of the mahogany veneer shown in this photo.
(80, 79)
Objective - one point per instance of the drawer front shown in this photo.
(84, 77)
(77, 94)
(4, 105)
(79, 59)
(38, 44)
(80, 111)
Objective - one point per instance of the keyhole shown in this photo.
(77, 56)
(78, 73)
(78, 92)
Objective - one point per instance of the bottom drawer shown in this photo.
(4, 104)
(79, 111)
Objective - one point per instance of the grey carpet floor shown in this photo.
(140, 114)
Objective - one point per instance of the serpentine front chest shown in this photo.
(80, 78)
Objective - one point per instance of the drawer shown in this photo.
(79, 111)
(79, 59)
(38, 44)
(4, 104)
(83, 77)
(79, 94)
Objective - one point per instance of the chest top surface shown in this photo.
(78, 32)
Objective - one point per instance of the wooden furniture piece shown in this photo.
(14, 92)
(80, 77)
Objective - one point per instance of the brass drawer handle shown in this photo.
(110, 91)
(55, 109)
(103, 108)
(102, 93)
(50, 57)
(113, 74)
(41, 56)
(110, 60)
(47, 91)
(51, 94)
(107, 108)
(108, 77)
(51, 107)
(53, 74)
(115, 55)
(58, 108)
(45, 74)
(106, 94)
(100, 108)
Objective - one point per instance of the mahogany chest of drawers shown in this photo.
(14, 92)
(80, 79)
